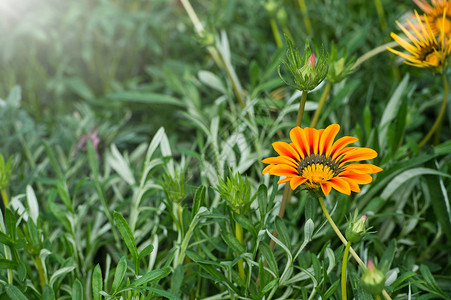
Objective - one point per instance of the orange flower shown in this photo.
(438, 15)
(315, 160)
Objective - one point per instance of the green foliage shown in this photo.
(110, 108)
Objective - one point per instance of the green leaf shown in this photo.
(233, 243)
(153, 275)
(269, 258)
(177, 279)
(14, 293)
(146, 98)
(7, 264)
(10, 220)
(48, 293)
(440, 202)
(119, 274)
(270, 286)
(330, 291)
(199, 199)
(146, 251)
(282, 231)
(430, 280)
(245, 223)
(161, 292)
(97, 283)
(33, 235)
(127, 235)
(387, 257)
(77, 290)
(262, 197)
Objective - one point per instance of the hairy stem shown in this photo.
(374, 52)
(287, 192)
(343, 271)
(439, 120)
(321, 104)
(345, 242)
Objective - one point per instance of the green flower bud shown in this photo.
(282, 16)
(236, 191)
(373, 280)
(307, 72)
(175, 187)
(356, 229)
(339, 65)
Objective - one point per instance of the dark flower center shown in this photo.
(317, 159)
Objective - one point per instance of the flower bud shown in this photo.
(373, 280)
(356, 229)
(307, 71)
(175, 187)
(236, 191)
(340, 66)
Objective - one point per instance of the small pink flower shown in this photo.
(93, 137)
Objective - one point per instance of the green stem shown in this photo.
(179, 207)
(380, 14)
(343, 271)
(307, 23)
(239, 237)
(345, 242)
(5, 198)
(321, 104)
(438, 121)
(378, 297)
(39, 266)
(374, 52)
(287, 191)
(275, 32)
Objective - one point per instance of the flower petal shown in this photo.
(328, 137)
(340, 185)
(296, 136)
(280, 160)
(286, 179)
(340, 143)
(285, 149)
(297, 181)
(283, 170)
(362, 168)
(358, 154)
(326, 188)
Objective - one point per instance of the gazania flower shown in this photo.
(313, 159)
(425, 50)
(435, 15)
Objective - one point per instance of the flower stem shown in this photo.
(275, 32)
(343, 271)
(39, 266)
(378, 297)
(345, 242)
(287, 191)
(321, 104)
(179, 208)
(5, 198)
(381, 14)
(374, 52)
(438, 121)
(239, 237)
(307, 23)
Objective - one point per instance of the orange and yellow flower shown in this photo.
(438, 15)
(313, 159)
(424, 49)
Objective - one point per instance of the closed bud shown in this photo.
(307, 71)
(175, 186)
(236, 191)
(356, 229)
(339, 65)
(373, 280)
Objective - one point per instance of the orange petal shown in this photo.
(340, 143)
(328, 137)
(326, 188)
(283, 170)
(295, 136)
(297, 181)
(284, 180)
(358, 178)
(284, 149)
(280, 160)
(311, 135)
(340, 185)
(267, 169)
(359, 154)
(304, 143)
(362, 168)
(352, 184)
